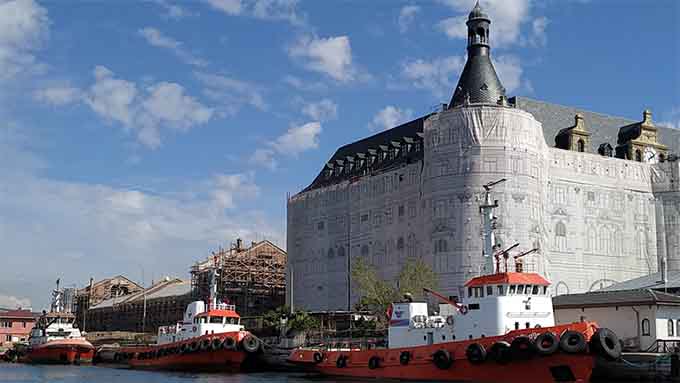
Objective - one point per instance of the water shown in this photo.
(21, 373)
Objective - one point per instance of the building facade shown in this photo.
(15, 326)
(99, 291)
(596, 215)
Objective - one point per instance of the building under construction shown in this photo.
(253, 278)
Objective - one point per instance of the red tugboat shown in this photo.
(209, 338)
(503, 331)
(55, 339)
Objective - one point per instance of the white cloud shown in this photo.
(389, 117)
(24, 27)
(265, 158)
(58, 95)
(231, 93)
(145, 112)
(407, 15)
(303, 85)
(323, 110)
(119, 230)
(12, 302)
(298, 139)
(331, 56)
(173, 11)
(285, 10)
(507, 17)
(538, 36)
(437, 76)
(154, 37)
(509, 71)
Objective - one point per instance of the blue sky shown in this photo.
(137, 136)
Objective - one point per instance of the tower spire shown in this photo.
(479, 82)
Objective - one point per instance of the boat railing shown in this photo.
(664, 346)
(224, 306)
(165, 330)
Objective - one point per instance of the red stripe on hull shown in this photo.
(60, 354)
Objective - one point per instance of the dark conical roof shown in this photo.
(479, 82)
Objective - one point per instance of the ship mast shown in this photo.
(213, 282)
(57, 305)
(488, 227)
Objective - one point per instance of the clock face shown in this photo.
(650, 155)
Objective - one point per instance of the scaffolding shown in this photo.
(254, 278)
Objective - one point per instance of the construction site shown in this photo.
(252, 278)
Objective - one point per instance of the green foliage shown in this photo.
(299, 320)
(377, 294)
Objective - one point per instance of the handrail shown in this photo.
(664, 346)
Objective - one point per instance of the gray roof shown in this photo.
(650, 281)
(164, 288)
(603, 128)
(615, 298)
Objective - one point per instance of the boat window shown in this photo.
(202, 320)
(473, 306)
(535, 290)
(489, 290)
(520, 289)
(501, 290)
(231, 320)
(512, 290)
(545, 290)
(481, 291)
(528, 325)
(516, 325)
(216, 320)
(469, 292)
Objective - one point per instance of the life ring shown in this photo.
(215, 344)
(404, 358)
(500, 352)
(250, 343)
(463, 310)
(341, 362)
(573, 342)
(450, 320)
(475, 353)
(547, 343)
(606, 343)
(318, 357)
(229, 343)
(193, 329)
(522, 348)
(374, 362)
(442, 359)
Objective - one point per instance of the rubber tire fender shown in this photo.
(404, 358)
(317, 357)
(205, 344)
(500, 352)
(215, 344)
(547, 343)
(442, 359)
(475, 353)
(250, 343)
(523, 348)
(573, 342)
(341, 362)
(606, 343)
(229, 343)
(184, 348)
(193, 346)
(374, 362)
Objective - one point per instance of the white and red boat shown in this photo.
(55, 337)
(210, 337)
(503, 331)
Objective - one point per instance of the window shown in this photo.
(500, 290)
(401, 210)
(535, 290)
(364, 217)
(512, 289)
(7, 324)
(216, 320)
(489, 290)
(677, 330)
(638, 155)
(400, 243)
(520, 289)
(8, 338)
(23, 324)
(528, 325)
(671, 328)
(473, 306)
(469, 292)
(516, 325)
(320, 225)
(645, 327)
(581, 146)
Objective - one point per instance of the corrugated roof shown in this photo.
(615, 298)
(650, 281)
(159, 290)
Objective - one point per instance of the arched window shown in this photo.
(638, 155)
(481, 34)
(581, 146)
(645, 327)
(671, 328)
(560, 236)
(662, 158)
(560, 229)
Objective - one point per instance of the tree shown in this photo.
(414, 276)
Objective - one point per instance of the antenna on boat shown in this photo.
(489, 226)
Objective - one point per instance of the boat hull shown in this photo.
(61, 352)
(559, 366)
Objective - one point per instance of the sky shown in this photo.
(138, 136)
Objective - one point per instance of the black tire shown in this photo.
(250, 344)
(117, 357)
(442, 359)
(500, 352)
(205, 344)
(184, 348)
(229, 343)
(318, 357)
(547, 343)
(193, 347)
(341, 362)
(475, 353)
(404, 358)
(523, 348)
(573, 342)
(216, 344)
(605, 343)
(374, 362)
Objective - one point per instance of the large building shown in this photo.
(598, 196)
(15, 325)
(99, 291)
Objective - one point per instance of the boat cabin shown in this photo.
(54, 326)
(493, 305)
(198, 321)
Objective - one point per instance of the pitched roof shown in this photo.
(508, 278)
(650, 281)
(161, 289)
(615, 298)
(18, 314)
